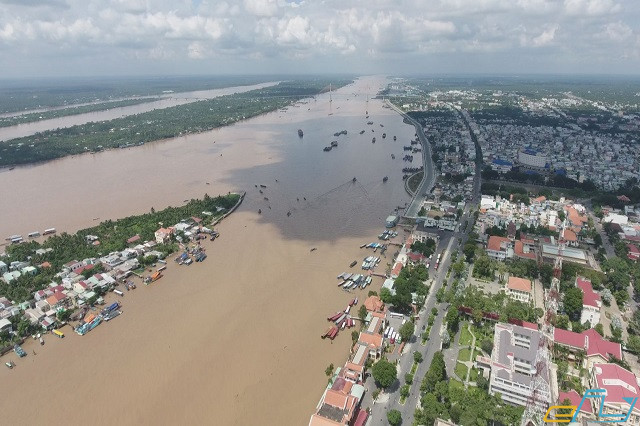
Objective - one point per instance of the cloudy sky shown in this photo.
(130, 37)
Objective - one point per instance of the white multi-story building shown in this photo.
(532, 158)
(513, 365)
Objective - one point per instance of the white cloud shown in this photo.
(135, 33)
(545, 38)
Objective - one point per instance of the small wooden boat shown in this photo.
(386, 178)
(259, 211)
(314, 249)
(354, 263)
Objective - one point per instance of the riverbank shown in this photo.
(233, 340)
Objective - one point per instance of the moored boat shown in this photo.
(354, 263)
(300, 133)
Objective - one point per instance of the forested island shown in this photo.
(158, 124)
(112, 236)
(72, 110)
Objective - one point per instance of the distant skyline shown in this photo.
(56, 38)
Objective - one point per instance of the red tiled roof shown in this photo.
(575, 400)
(415, 257)
(495, 242)
(373, 304)
(372, 340)
(133, 239)
(397, 268)
(519, 251)
(361, 419)
(589, 340)
(590, 297)
(569, 235)
(569, 338)
(596, 345)
(520, 284)
(524, 324)
(623, 198)
(618, 382)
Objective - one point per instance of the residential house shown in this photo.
(163, 235)
(519, 289)
(34, 315)
(8, 277)
(3, 267)
(58, 300)
(73, 265)
(499, 248)
(5, 325)
(80, 287)
(591, 302)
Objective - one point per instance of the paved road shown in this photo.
(451, 241)
(428, 178)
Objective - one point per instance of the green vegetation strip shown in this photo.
(461, 371)
(465, 336)
(158, 124)
(112, 235)
(47, 115)
(414, 181)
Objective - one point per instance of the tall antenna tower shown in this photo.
(539, 399)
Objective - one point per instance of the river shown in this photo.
(167, 100)
(234, 340)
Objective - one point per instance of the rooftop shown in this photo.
(519, 284)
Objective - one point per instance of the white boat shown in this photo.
(346, 311)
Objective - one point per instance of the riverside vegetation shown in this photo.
(112, 235)
(71, 110)
(159, 124)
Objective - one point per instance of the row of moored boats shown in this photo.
(352, 281)
(341, 321)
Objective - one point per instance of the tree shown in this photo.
(487, 346)
(329, 370)
(573, 302)
(417, 357)
(406, 330)
(446, 339)
(394, 417)
(469, 251)
(384, 373)
(385, 295)
(633, 344)
(477, 315)
(546, 274)
(453, 319)
(600, 329)
(436, 373)
(408, 378)
(562, 321)
(404, 391)
(354, 336)
(362, 313)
